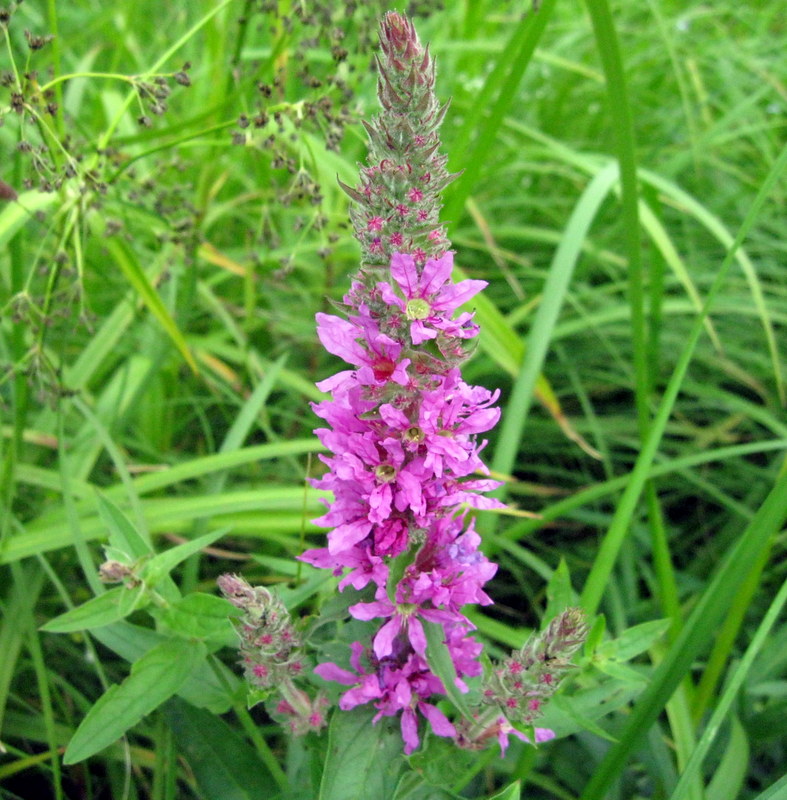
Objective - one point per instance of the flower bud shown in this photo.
(522, 683)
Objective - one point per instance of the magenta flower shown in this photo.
(403, 463)
(393, 691)
(401, 424)
(428, 298)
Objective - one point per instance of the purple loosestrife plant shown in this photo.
(402, 424)
(404, 455)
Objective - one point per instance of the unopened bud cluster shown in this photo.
(271, 655)
(398, 198)
(269, 643)
(522, 683)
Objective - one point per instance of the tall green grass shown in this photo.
(622, 192)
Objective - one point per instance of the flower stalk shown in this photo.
(402, 425)
(403, 466)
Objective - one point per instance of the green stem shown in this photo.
(105, 137)
(52, 14)
(118, 76)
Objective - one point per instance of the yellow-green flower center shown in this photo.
(417, 308)
(385, 473)
(413, 434)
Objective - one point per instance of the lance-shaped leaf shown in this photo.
(153, 679)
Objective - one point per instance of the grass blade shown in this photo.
(695, 636)
(730, 693)
(554, 293)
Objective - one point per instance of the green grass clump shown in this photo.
(170, 224)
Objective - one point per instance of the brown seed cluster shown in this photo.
(289, 80)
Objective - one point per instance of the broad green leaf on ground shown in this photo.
(123, 536)
(587, 705)
(161, 565)
(413, 787)
(441, 663)
(436, 765)
(512, 792)
(201, 616)
(635, 640)
(560, 594)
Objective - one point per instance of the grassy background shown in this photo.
(159, 276)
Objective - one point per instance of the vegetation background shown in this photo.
(171, 222)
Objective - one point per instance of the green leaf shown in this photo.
(693, 766)
(222, 762)
(595, 635)
(123, 536)
(126, 259)
(511, 792)
(162, 564)
(413, 787)
(778, 791)
(555, 290)
(104, 609)
(697, 632)
(637, 640)
(435, 766)
(201, 616)
(728, 779)
(364, 760)
(211, 685)
(587, 705)
(294, 597)
(621, 672)
(582, 721)
(441, 663)
(15, 214)
(560, 594)
(153, 679)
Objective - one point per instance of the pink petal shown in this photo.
(409, 730)
(369, 611)
(383, 641)
(392, 417)
(330, 672)
(380, 503)
(319, 557)
(481, 421)
(338, 336)
(409, 493)
(389, 296)
(335, 381)
(360, 694)
(404, 273)
(415, 632)
(454, 296)
(441, 725)
(544, 735)
(345, 536)
(419, 333)
(436, 272)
